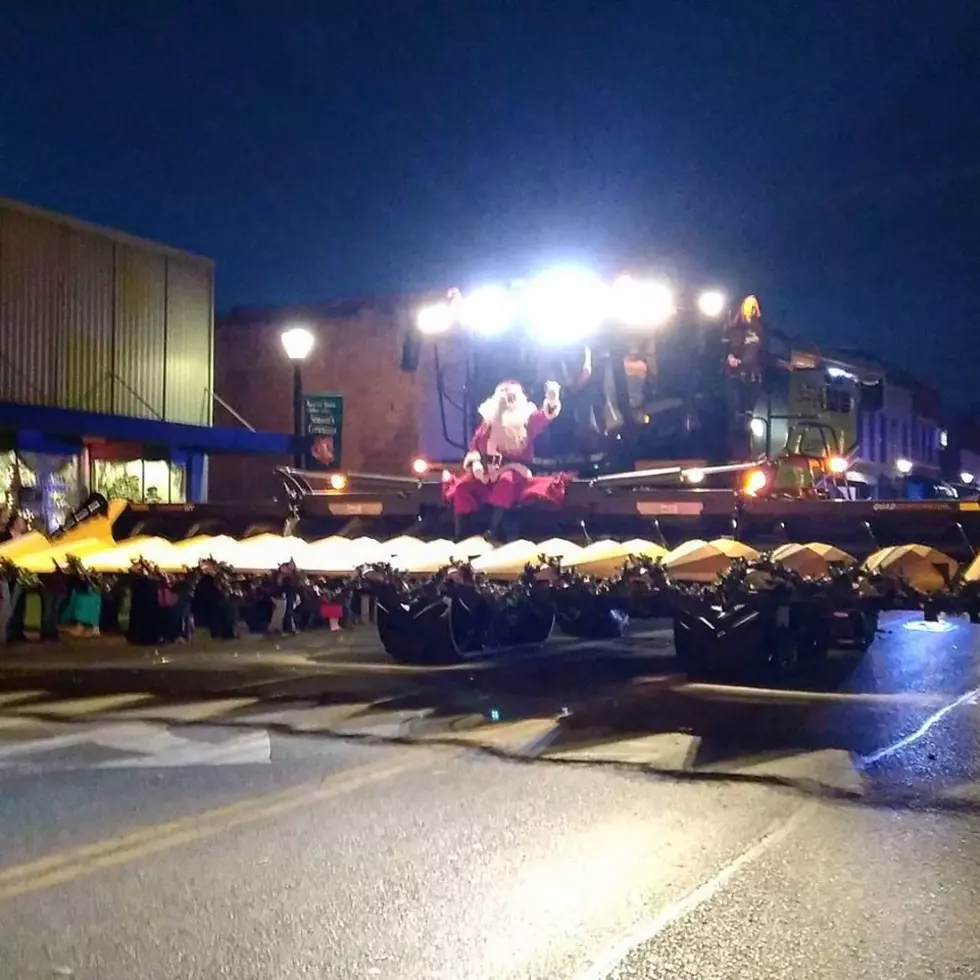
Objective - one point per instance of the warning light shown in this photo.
(837, 465)
(338, 481)
(420, 467)
(755, 482)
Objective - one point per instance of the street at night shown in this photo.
(490, 491)
(478, 827)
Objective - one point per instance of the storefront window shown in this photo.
(8, 478)
(44, 487)
(152, 481)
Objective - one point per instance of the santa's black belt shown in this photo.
(499, 459)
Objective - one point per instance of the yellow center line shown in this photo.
(6, 722)
(18, 697)
(74, 707)
(65, 866)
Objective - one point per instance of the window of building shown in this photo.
(44, 487)
(151, 481)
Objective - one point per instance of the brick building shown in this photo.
(357, 355)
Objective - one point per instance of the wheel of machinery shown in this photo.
(813, 635)
(421, 634)
(867, 629)
(689, 648)
(783, 653)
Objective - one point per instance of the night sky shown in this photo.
(824, 154)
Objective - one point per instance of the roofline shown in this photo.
(123, 238)
(245, 315)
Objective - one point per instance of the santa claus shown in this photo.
(496, 470)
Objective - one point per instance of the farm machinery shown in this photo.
(706, 462)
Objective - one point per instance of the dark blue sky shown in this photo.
(825, 153)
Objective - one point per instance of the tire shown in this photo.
(866, 632)
(421, 637)
(782, 653)
(814, 637)
(689, 651)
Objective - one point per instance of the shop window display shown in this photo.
(145, 480)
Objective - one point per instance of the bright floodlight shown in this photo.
(489, 310)
(642, 304)
(420, 466)
(966, 477)
(562, 306)
(693, 475)
(711, 303)
(434, 319)
(837, 465)
(297, 342)
(758, 427)
(904, 466)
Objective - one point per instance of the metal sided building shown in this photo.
(106, 366)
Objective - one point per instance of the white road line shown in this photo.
(923, 729)
(45, 744)
(150, 745)
(726, 692)
(254, 748)
(608, 961)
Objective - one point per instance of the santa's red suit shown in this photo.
(496, 470)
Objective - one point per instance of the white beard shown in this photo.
(508, 433)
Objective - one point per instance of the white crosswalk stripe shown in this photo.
(138, 745)
(42, 729)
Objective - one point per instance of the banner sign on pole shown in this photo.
(323, 426)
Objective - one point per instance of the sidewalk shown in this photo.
(79, 653)
(204, 667)
(318, 663)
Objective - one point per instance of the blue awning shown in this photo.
(43, 429)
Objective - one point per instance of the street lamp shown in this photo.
(297, 342)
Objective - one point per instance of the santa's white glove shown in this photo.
(552, 402)
(473, 462)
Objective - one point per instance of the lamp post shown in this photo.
(297, 342)
(904, 467)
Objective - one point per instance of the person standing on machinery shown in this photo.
(745, 371)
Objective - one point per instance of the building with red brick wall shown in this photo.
(357, 354)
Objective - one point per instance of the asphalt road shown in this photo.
(650, 829)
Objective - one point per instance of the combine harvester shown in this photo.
(708, 466)
(682, 418)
